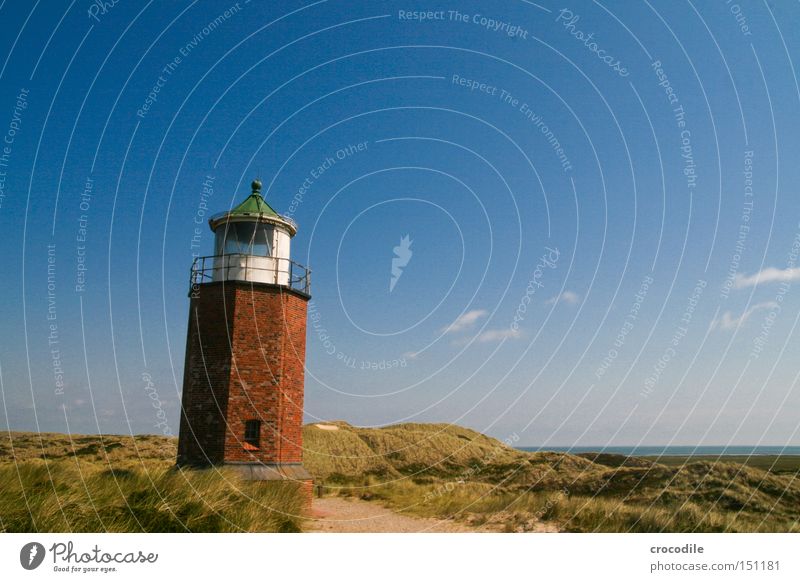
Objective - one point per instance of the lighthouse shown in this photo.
(243, 381)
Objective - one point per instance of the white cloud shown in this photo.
(496, 335)
(465, 321)
(569, 297)
(728, 321)
(768, 275)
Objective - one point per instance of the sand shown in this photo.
(343, 515)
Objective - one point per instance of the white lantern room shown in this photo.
(252, 244)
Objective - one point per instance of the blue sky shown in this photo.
(601, 200)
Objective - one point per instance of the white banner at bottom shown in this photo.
(355, 557)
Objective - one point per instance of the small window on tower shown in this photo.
(252, 434)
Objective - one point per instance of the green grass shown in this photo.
(97, 484)
(54, 482)
(454, 473)
(520, 511)
(779, 464)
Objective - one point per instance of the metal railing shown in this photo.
(241, 267)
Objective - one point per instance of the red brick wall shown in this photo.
(253, 338)
(206, 377)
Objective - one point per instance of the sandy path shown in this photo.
(344, 515)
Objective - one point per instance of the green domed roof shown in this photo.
(253, 208)
(254, 204)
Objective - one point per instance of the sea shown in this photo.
(680, 451)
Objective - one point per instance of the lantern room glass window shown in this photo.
(245, 238)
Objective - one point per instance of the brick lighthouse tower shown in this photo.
(245, 349)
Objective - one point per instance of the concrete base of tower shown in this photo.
(293, 472)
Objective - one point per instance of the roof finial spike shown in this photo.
(256, 186)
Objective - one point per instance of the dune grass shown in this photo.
(521, 511)
(54, 483)
(779, 464)
(454, 473)
(70, 496)
(79, 483)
